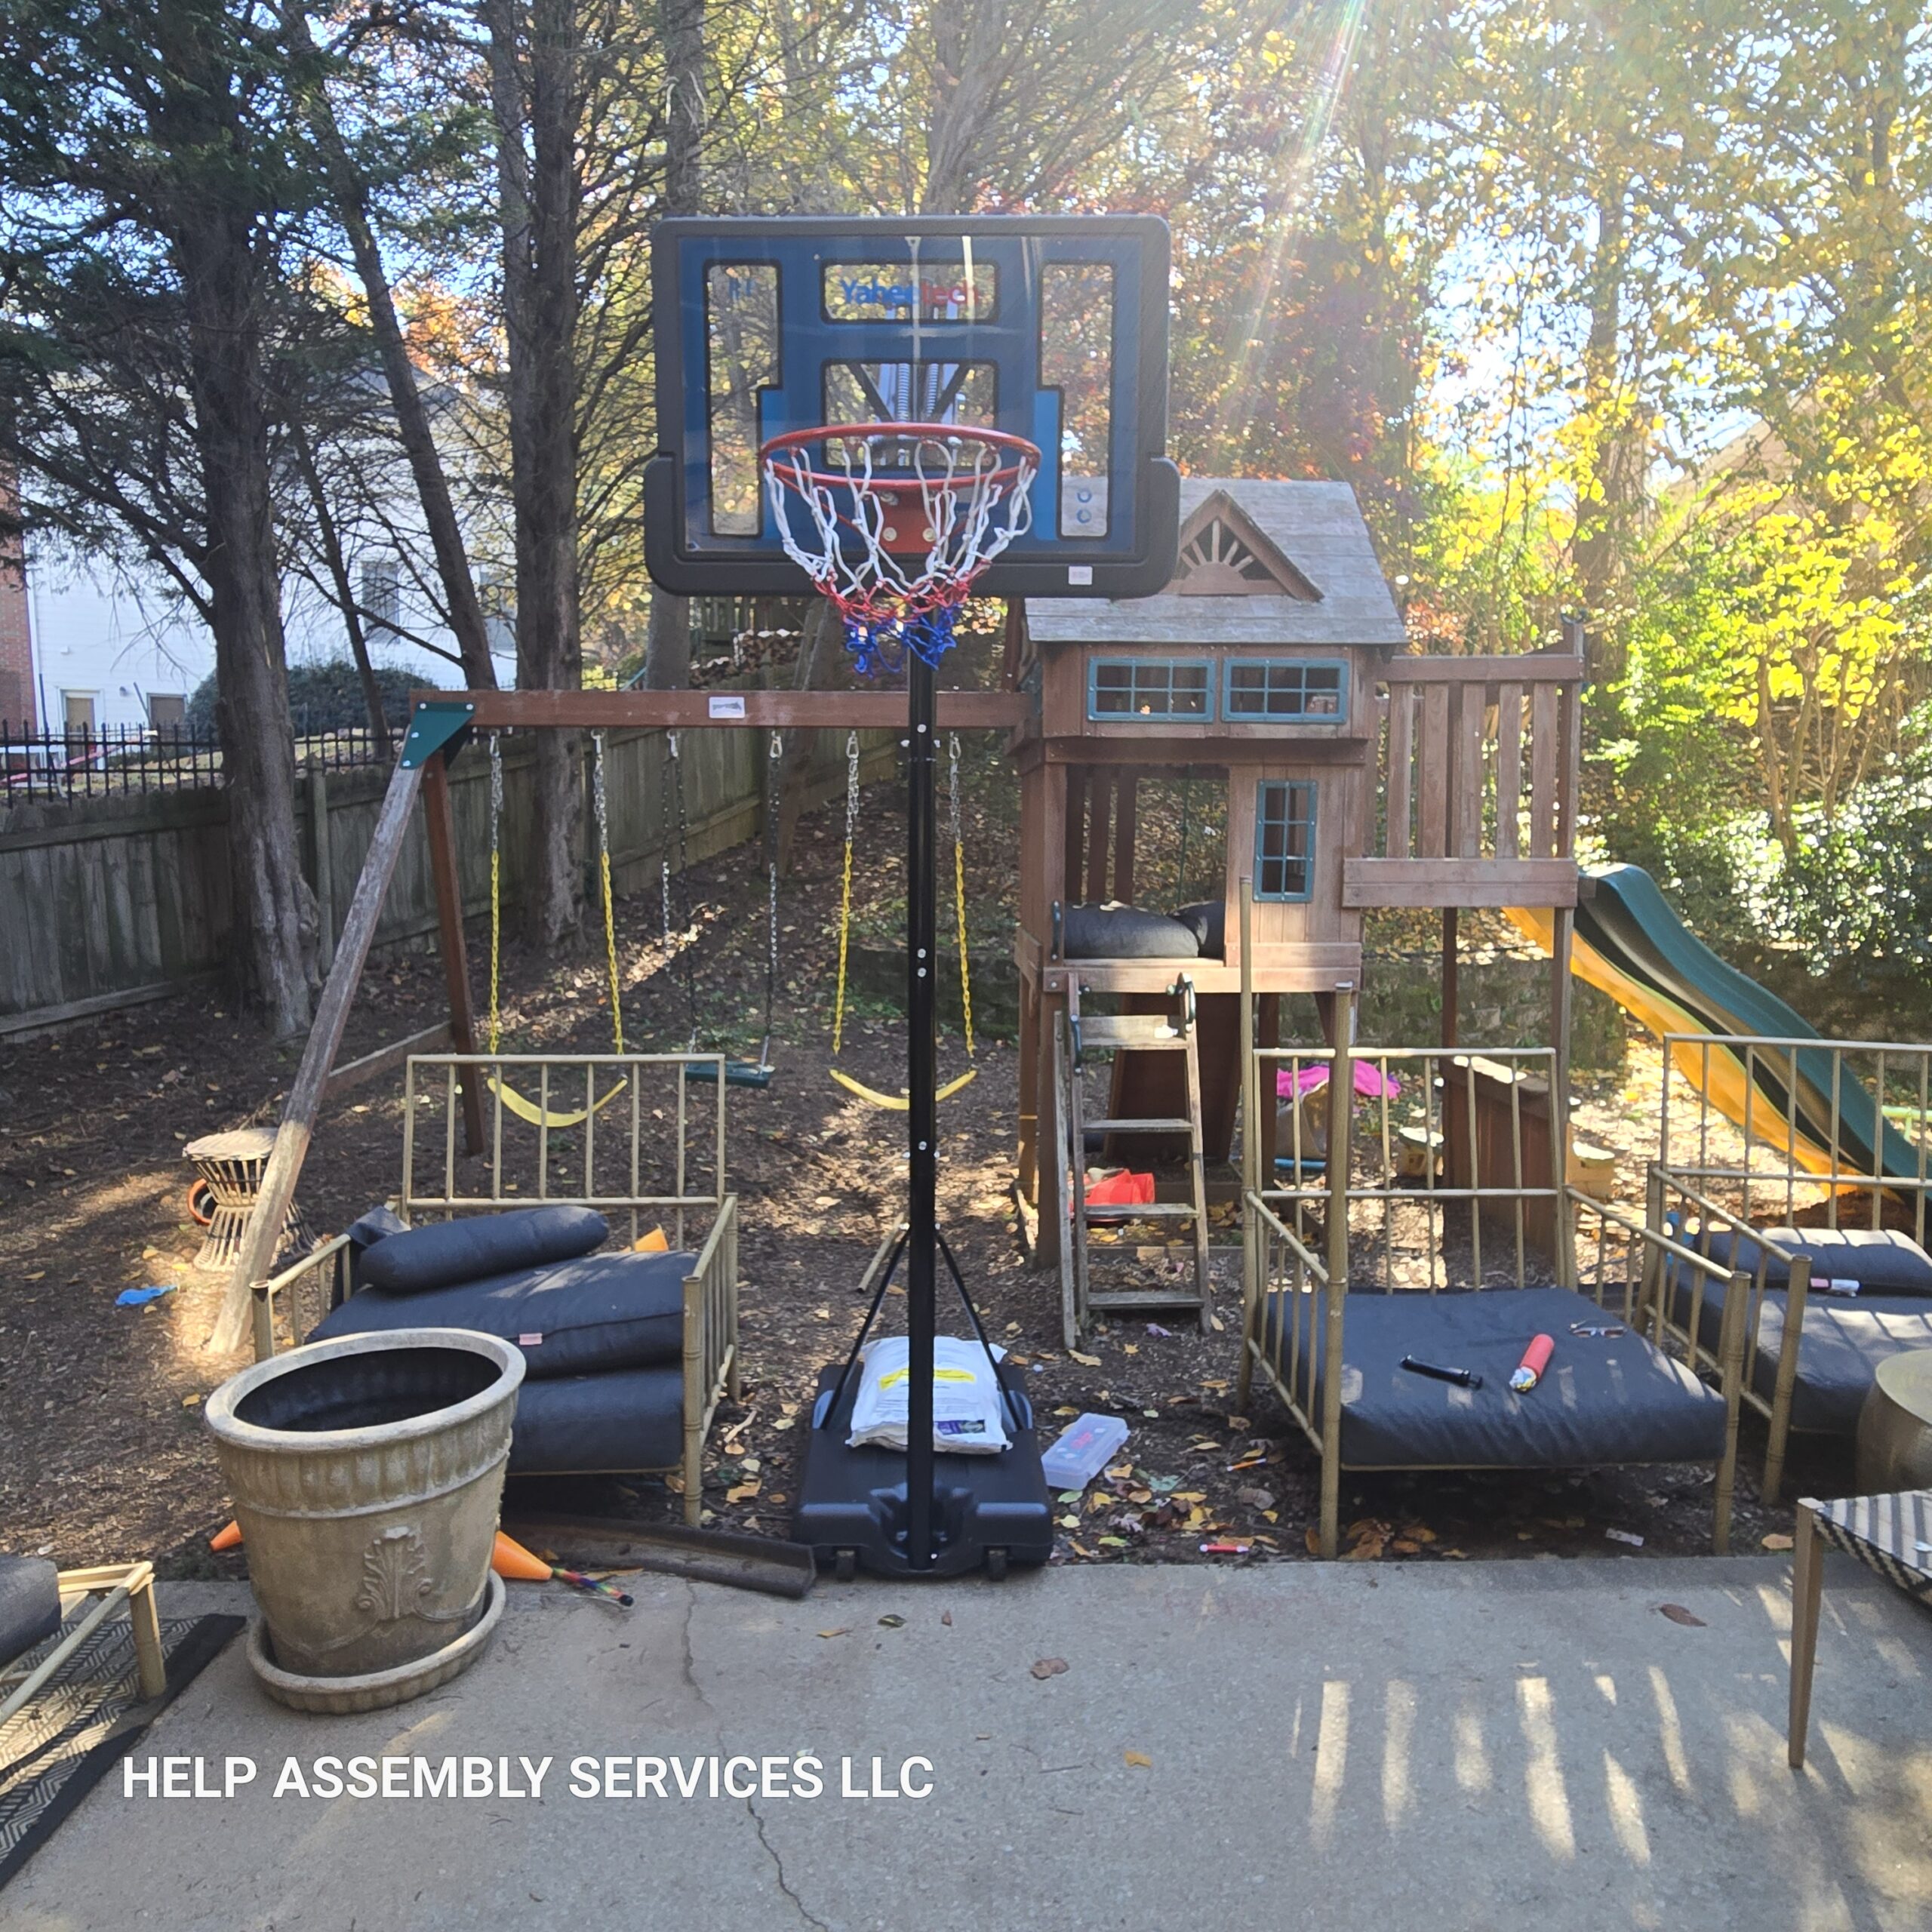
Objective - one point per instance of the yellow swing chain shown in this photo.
(496, 877)
(959, 889)
(869, 1094)
(610, 915)
(845, 888)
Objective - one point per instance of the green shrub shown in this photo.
(324, 697)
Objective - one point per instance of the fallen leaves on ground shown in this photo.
(1778, 1540)
(1137, 1760)
(1678, 1614)
(844, 1630)
(1050, 1667)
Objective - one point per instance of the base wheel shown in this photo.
(845, 1565)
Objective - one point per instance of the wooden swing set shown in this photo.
(440, 724)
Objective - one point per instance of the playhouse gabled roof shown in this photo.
(1316, 528)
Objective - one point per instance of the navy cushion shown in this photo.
(29, 1604)
(1208, 923)
(378, 1225)
(1877, 1259)
(632, 1419)
(1842, 1343)
(1603, 1398)
(1124, 932)
(446, 1252)
(599, 1312)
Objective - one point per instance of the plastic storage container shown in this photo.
(1085, 1446)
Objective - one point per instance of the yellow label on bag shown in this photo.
(892, 1377)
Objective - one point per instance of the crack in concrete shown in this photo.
(778, 1867)
(688, 1660)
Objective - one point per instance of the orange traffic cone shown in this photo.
(227, 1538)
(512, 1561)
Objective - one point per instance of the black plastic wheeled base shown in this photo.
(988, 1512)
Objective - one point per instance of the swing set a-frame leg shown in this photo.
(263, 1234)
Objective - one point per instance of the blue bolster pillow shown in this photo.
(446, 1252)
(1208, 923)
(1880, 1261)
(1124, 932)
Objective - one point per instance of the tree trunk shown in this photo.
(275, 921)
(667, 651)
(536, 96)
(667, 643)
(348, 193)
(969, 38)
(1615, 467)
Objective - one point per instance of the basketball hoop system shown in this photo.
(899, 520)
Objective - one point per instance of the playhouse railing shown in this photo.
(1477, 772)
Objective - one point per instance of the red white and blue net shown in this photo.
(894, 522)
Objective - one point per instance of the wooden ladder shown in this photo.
(1173, 1033)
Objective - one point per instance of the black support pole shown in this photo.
(922, 1111)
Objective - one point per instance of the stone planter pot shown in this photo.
(366, 1473)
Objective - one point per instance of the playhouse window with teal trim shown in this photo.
(1177, 687)
(1315, 689)
(1284, 839)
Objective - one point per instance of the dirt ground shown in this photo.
(107, 1454)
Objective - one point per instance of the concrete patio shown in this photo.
(1406, 1748)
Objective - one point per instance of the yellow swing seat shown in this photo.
(899, 1103)
(540, 1117)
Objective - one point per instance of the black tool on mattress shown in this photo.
(1463, 1378)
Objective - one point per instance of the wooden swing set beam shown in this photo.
(684, 711)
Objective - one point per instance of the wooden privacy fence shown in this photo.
(120, 900)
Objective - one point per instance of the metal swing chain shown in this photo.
(959, 887)
(664, 836)
(676, 768)
(1186, 804)
(845, 887)
(496, 875)
(603, 867)
(775, 761)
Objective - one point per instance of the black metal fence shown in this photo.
(93, 761)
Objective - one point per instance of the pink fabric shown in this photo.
(1368, 1081)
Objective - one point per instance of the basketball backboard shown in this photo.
(1053, 328)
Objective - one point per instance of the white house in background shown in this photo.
(110, 647)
